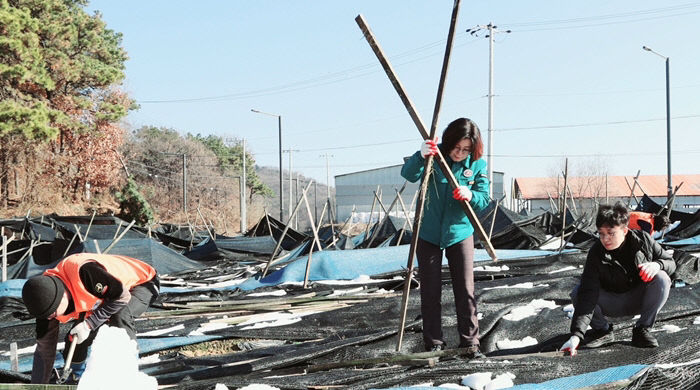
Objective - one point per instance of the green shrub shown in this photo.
(133, 205)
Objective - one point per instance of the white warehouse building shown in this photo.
(356, 190)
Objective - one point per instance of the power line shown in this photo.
(595, 123)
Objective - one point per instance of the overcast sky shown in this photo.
(571, 79)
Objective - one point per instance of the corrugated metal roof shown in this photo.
(595, 186)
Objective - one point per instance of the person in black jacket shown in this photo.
(626, 273)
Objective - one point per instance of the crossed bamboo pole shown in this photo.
(428, 164)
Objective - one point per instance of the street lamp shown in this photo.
(279, 124)
(668, 120)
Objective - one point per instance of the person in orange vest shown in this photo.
(648, 222)
(90, 290)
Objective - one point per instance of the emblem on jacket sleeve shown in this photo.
(100, 288)
(468, 173)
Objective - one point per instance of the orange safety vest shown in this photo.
(646, 218)
(129, 271)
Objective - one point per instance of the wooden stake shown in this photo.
(317, 241)
(77, 231)
(205, 222)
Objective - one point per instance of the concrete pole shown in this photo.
(490, 129)
(244, 216)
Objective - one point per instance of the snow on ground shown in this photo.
(671, 328)
(255, 386)
(276, 293)
(155, 358)
(267, 320)
(569, 268)
(208, 327)
(531, 309)
(696, 321)
(477, 380)
(488, 268)
(569, 309)
(519, 285)
(511, 344)
(113, 363)
(159, 332)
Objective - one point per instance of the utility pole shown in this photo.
(184, 183)
(328, 180)
(244, 216)
(291, 202)
(492, 30)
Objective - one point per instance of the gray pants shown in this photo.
(646, 299)
(460, 258)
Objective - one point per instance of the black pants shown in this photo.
(142, 296)
(460, 258)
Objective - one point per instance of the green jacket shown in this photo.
(444, 221)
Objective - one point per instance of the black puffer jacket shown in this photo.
(615, 271)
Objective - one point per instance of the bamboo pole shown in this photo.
(371, 213)
(317, 241)
(77, 231)
(563, 211)
(284, 232)
(429, 161)
(90, 224)
(205, 222)
(114, 242)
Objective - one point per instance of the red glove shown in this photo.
(462, 193)
(429, 147)
(647, 271)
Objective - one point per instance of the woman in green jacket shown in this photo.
(446, 227)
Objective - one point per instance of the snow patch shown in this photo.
(208, 327)
(113, 363)
(511, 344)
(531, 309)
(276, 293)
(477, 381)
(519, 285)
(671, 328)
(696, 321)
(502, 381)
(488, 268)
(257, 386)
(569, 268)
(159, 332)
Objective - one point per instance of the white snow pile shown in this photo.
(519, 285)
(113, 363)
(511, 344)
(531, 309)
(696, 321)
(208, 327)
(483, 381)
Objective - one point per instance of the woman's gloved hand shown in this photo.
(81, 332)
(429, 147)
(462, 193)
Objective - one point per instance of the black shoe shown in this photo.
(473, 352)
(642, 338)
(594, 338)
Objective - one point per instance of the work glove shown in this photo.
(462, 193)
(647, 271)
(81, 332)
(429, 147)
(571, 345)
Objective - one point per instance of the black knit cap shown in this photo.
(42, 295)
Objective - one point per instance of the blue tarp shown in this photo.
(687, 241)
(608, 375)
(347, 265)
